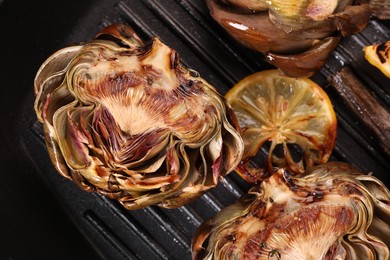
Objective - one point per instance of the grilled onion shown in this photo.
(297, 36)
(379, 8)
(333, 212)
(128, 120)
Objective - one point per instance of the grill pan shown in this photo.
(44, 216)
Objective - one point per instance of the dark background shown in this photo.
(32, 224)
(43, 216)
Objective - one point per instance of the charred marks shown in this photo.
(289, 181)
(382, 51)
(175, 59)
(118, 84)
(108, 37)
(143, 51)
(311, 195)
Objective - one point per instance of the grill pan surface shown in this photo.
(44, 216)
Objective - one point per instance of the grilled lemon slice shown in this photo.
(291, 119)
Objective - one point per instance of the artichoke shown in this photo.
(333, 212)
(129, 121)
(297, 36)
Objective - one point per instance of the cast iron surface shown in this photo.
(44, 216)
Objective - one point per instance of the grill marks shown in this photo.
(119, 84)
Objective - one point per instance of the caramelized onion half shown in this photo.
(295, 32)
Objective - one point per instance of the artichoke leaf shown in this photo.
(285, 214)
(54, 151)
(150, 166)
(229, 147)
(70, 139)
(52, 71)
(215, 146)
(59, 97)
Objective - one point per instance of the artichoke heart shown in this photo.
(128, 120)
(333, 212)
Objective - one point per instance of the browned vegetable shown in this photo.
(379, 56)
(380, 8)
(297, 36)
(128, 120)
(334, 212)
(306, 62)
(364, 105)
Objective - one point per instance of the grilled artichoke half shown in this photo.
(297, 36)
(128, 120)
(334, 212)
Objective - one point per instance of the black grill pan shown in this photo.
(44, 216)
